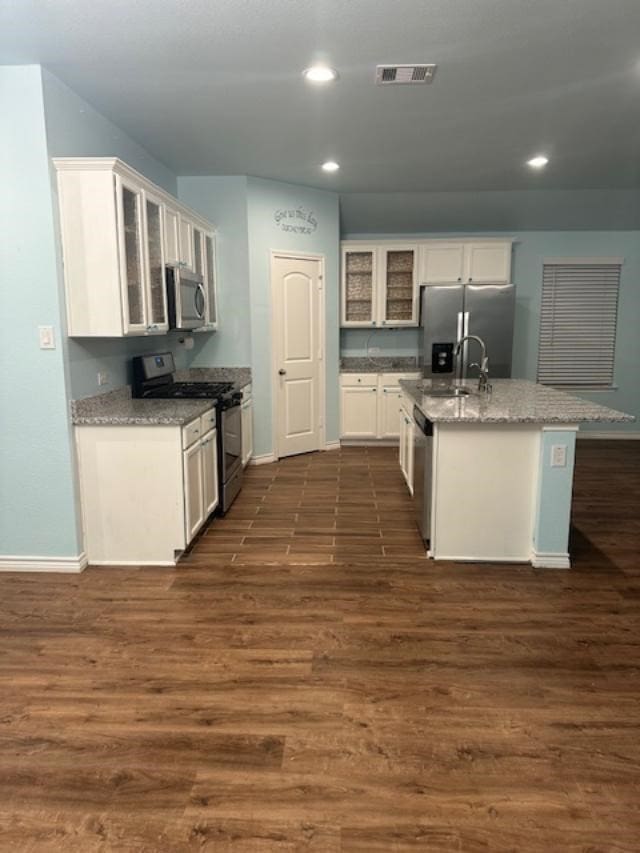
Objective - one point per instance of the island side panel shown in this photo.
(484, 491)
(553, 499)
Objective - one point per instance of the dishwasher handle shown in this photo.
(422, 422)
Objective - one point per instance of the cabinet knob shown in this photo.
(282, 372)
(459, 278)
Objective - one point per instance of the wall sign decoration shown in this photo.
(296, 220)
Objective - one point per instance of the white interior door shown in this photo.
(298, 350)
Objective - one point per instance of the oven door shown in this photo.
(186, 299)
(231, 441)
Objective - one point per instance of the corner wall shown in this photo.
(38, 512)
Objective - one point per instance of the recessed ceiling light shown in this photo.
(320, 74)
(331, 166)
(538, 162)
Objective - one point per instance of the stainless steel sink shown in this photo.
(447, 392)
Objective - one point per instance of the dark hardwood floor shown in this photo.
(307, 680)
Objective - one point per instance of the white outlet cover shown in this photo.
(558, 455)
(46, 337)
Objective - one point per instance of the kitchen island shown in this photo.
(499, 472)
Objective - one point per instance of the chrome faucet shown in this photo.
(483, 378)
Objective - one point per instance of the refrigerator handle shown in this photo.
(465, 326)
(459, 336)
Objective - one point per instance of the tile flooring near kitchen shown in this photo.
(307, 680)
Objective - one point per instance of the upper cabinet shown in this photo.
(379, 285)
(118, 232)
(479, 261)
(381, 281)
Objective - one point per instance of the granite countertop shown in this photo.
(118, 408)
(512, 401)
(378, 364)
(240, 376)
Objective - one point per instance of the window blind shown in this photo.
(578, 324)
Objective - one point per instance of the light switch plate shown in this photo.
(46, 337)
(559, 456)
(103, 377)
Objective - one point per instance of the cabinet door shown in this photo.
(488, 262)
(389, 411)
(359, 281)
(247, 432)
(193, 492)
(402, 453)
(408, 452)
(210, 280)
(359, 411)
(441, 263)
(209, 448)
(398, 303)
(157, 290)
(171, 235)
(186, 243)
(132, 264)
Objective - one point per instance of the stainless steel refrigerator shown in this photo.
(451, 311)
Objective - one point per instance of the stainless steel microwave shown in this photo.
(185, 298)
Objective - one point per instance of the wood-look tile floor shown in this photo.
(307, 680)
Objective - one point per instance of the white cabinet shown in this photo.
(359, 406)
(247, 425)
(479, 261)
(442, 262)
(193, 492)
(172, 235)
(145, 490)
(118, 231)
(209, 451)
(406, 441)
(379, 284)
(389, 411)
(488, 261)
(370, 404)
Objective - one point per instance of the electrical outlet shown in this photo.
(374, 350)
(559, 456)
(103, 377)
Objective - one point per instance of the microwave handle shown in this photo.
(200, 301)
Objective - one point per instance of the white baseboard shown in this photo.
(552, 560)
(620, 436)
(263, 459)
(332, 445)
(118, 564)
(369, 442)
(68, 565)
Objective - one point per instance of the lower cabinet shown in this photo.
(406, 441)
(370, 404)
(145, 490)
(247, 426)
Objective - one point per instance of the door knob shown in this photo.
(282, 372)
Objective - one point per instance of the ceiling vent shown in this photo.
(400, 75)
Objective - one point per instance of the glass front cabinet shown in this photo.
(379, 285)
(118, 233)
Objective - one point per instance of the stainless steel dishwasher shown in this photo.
(423, 468)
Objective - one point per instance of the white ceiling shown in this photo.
(214, 86)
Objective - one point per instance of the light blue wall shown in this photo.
(390, 341)
(37, 502)
(531, 248)
(223, 201)
(76, 129)
(265, 199)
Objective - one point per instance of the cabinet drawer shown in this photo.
(394, 378)
(359, 379)
(207, 422)
(191, 432)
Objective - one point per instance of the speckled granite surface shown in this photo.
(512, 401)
(240, 375)
(375, 364)
(117, 408)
